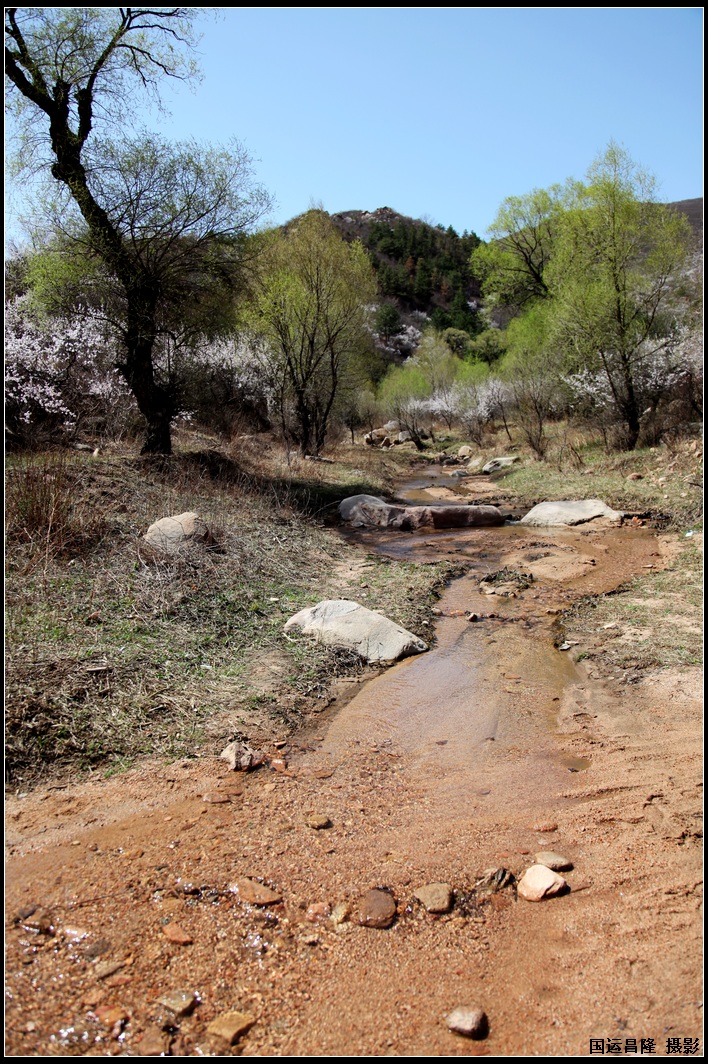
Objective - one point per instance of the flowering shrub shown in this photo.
(60, 377)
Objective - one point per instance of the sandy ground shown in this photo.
(447, 768)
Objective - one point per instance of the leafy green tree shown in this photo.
(308, 315)
(488, 347)
(387, 321)
(404, 394)
(156, 217)
(533, 368)
(512, 267)
(617, 257)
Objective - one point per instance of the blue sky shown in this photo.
(441, 113)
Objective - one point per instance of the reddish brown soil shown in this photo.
(539, 755)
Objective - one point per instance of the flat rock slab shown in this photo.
(571, 512)
(540, 882)
(555, 861)
(344, 623)
(367, 511)
(172, 534)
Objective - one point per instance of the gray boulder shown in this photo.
(367, 511)
(500, 463)
(341, 622)
(172, 534)
(575, 512)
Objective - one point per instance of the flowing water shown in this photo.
(475, 719)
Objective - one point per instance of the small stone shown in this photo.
(217, 798)
(555, 861)
(254, 893)
(106, 968)
(318, 821)
(231, 1025)
(279, 764)
(41, 922)
(181, 1002)
(340, 913)
(242, 758)
(155, 1042)
(310, 940)
(110, 1015)
(545, 825)
(436, 897)
(540, 882)
(318, 912)
(377, 909)
(177, 934)
(470, 1022)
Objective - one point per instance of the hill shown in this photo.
(421, 268)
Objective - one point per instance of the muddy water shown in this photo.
(474, 722)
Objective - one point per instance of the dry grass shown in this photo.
(114, 651)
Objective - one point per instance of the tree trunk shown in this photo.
(155, 403)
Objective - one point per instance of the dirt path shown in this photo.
(447, 768)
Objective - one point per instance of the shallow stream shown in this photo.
(475, 719)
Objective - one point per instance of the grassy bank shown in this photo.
(114, 651)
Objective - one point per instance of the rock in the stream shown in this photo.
(341, 622)
(367, 511)
(540, 882)
(471, 1022)
(571, 512)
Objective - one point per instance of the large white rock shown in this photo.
(344, 623)
(500, 463)
(570, 512)
(173, 534)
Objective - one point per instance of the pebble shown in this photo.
(177, 934)
(436, 897)
(318, 821)
(41, 922)
(318, 912)
(181, 1002)
(105, 968)
(555, 861)
(231, 1025)
(540, 882)
(254, 893)
(377, 909)
(217, 798)
(471, 1022)
(110, 1015)
(155, 1042)
(340, 913)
